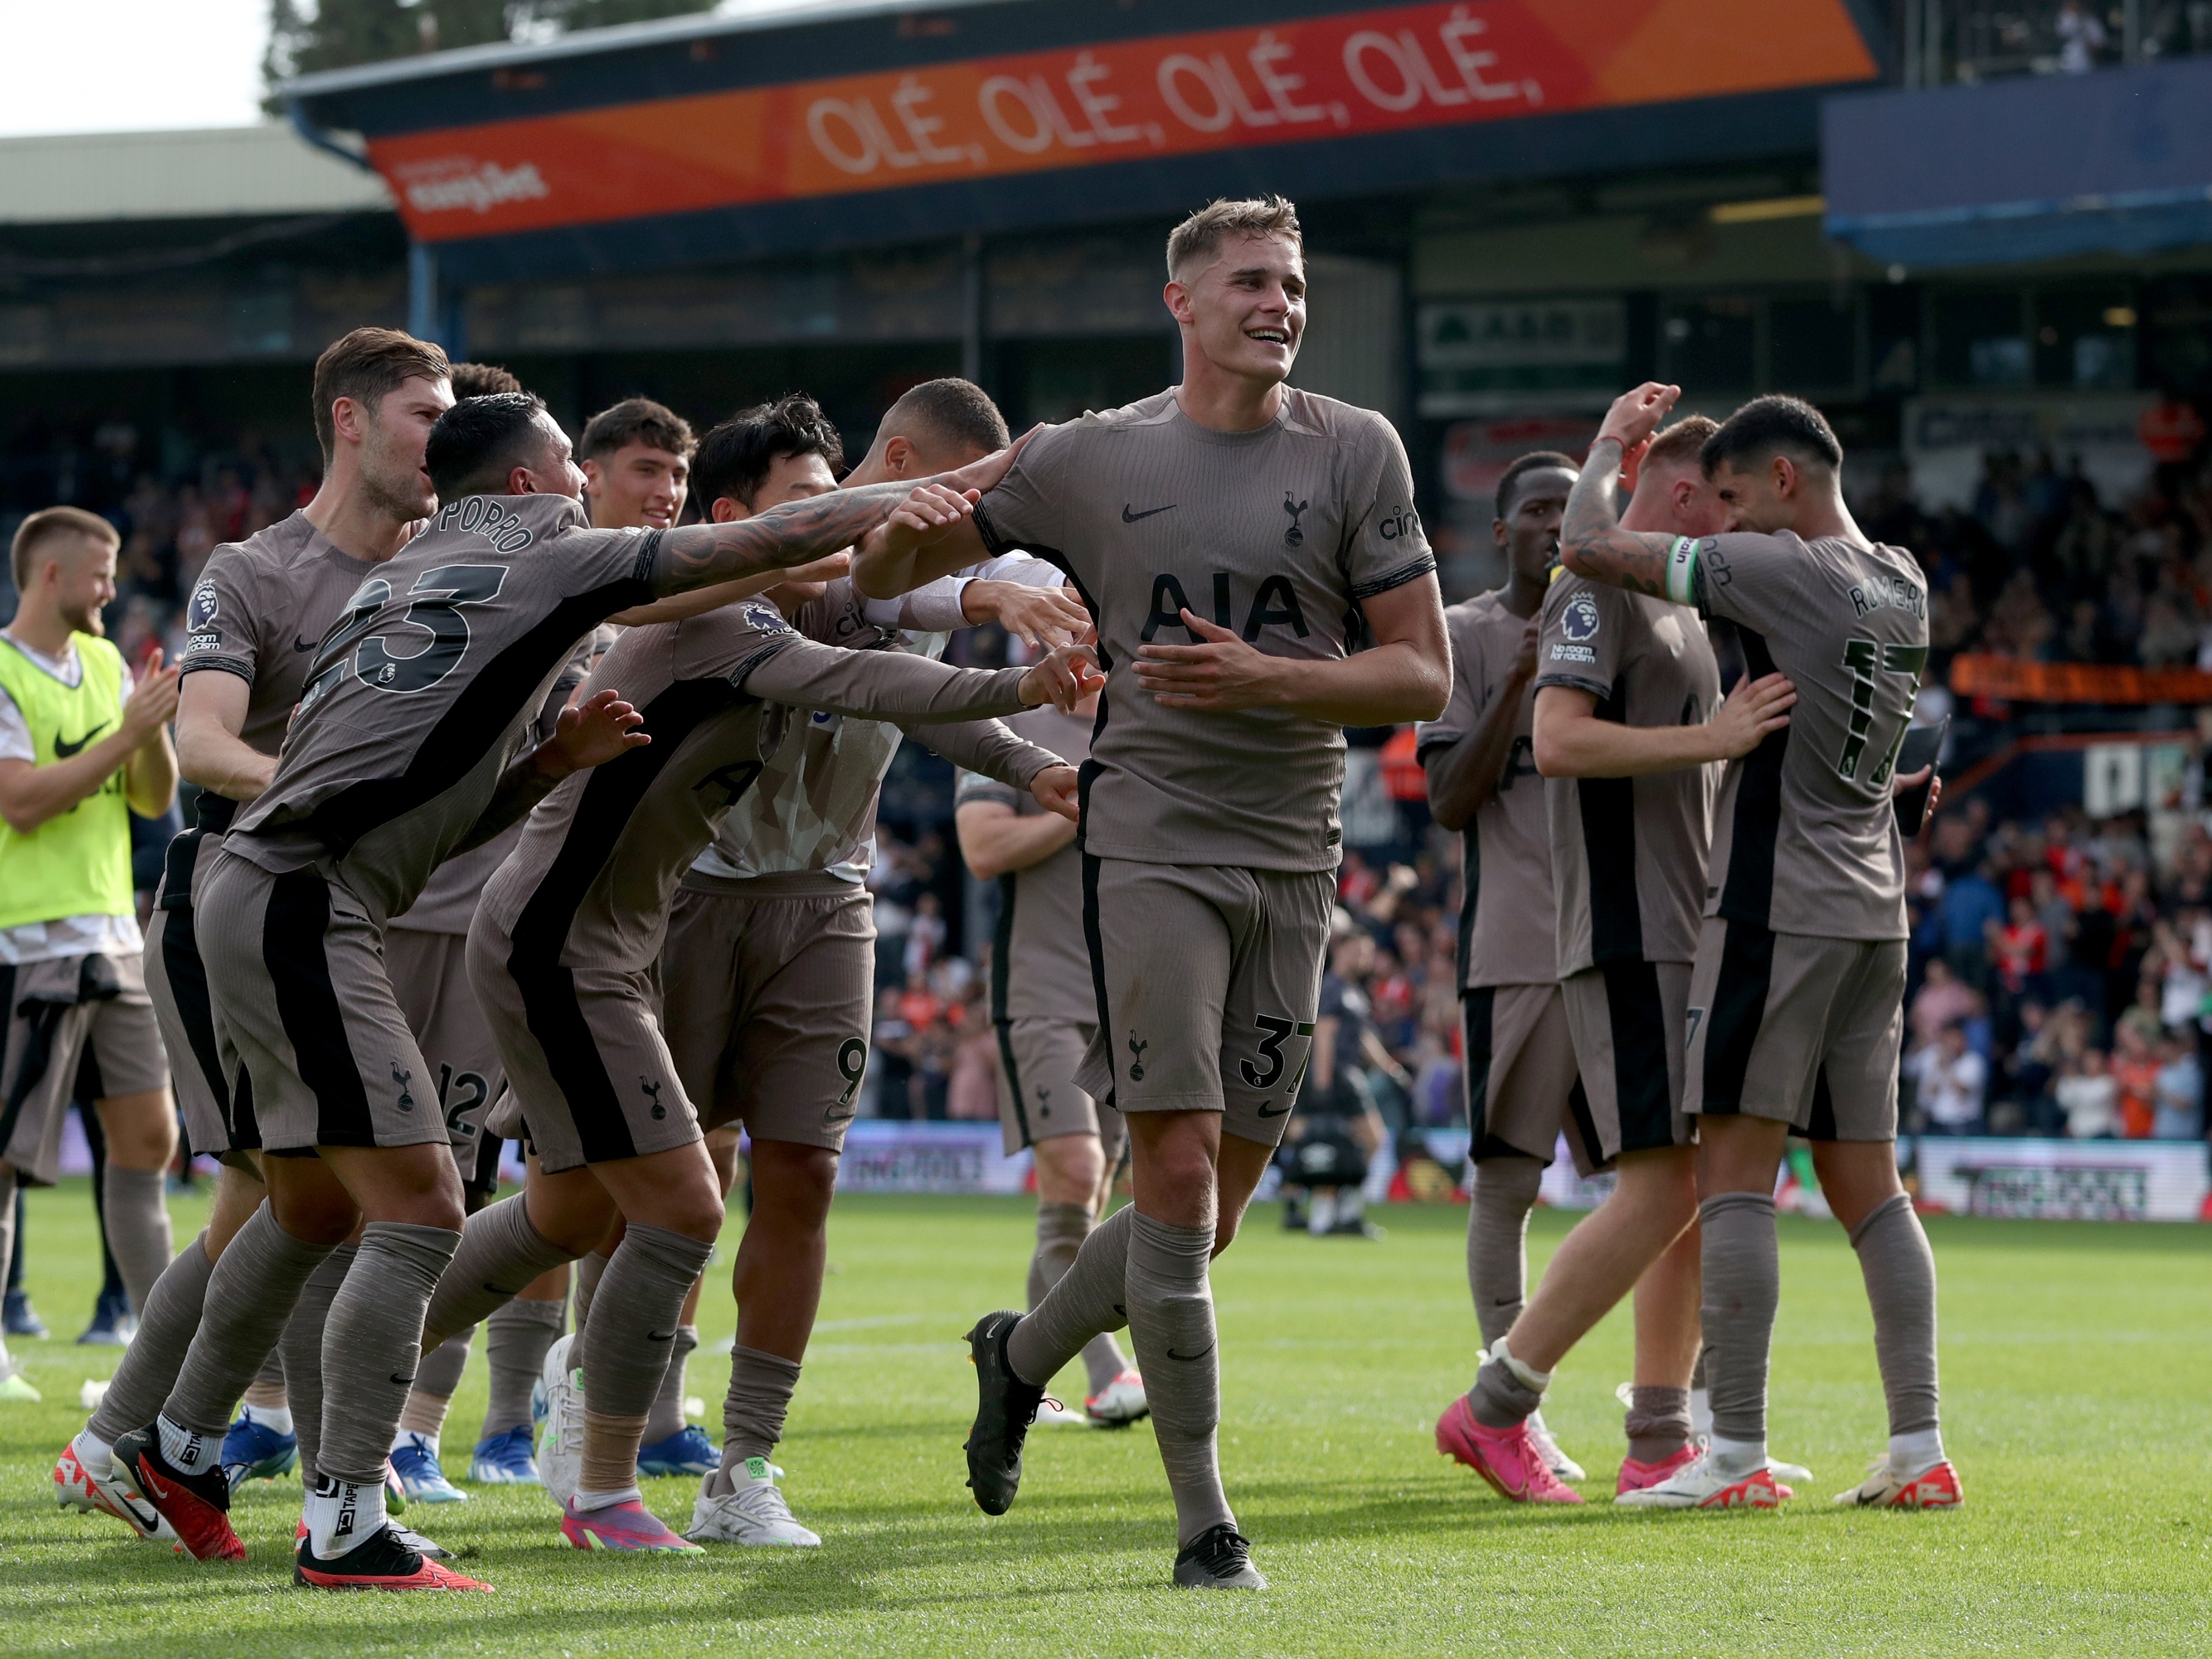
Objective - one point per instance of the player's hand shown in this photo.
(1524, 659)
(1635, 416)
(827, 568)
(590, 734)
(1063, 679)
(1751, 711)
(923, 517)
(983, 476)
(1913, 780)
(1047, 617)
(153, 702)
(1055, 791)
(1222, 672)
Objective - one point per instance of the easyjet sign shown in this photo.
(1371, 70)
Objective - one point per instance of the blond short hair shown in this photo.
(1679, 445)
(1201, 236)
(53, 524)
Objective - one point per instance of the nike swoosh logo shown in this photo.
(64, 748)
(1261, 1111)
(147, 1518)
(1200, 1354)
(1503, 1301)
(299, 644)
(1128, 517)
(660, 1336)
(404, 1381)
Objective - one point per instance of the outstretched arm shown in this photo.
(590, 734)
(1592, 543)
(700, 554)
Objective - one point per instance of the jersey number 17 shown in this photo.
(1865, 657)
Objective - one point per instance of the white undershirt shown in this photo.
(71, 936)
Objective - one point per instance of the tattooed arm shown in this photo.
(701, 555)
(1592, 543)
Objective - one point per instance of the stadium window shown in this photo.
(1813, 345)
(1981, 337)
(1711, 344)
(2086, 337)
(2177, 310)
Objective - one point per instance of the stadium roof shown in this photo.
(796, 127)
(218, 172)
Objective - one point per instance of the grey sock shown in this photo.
(301, 1348)
(761, 1387)
(373, 1342)
(150, 1363)
(500, 1254)
(591, 1268)
(1498, 1240)
(7, 1240)
(1089, 1300)
(439, 1372)
(1171, 1304)
(625, 1350)
(1899, 1270)
(667, 1417)
(1500, 1398)
(1658, 1423)
(1743, 1262)
(137, 1212)
(516, 1339)
(1061, 1229)
(249, 1297)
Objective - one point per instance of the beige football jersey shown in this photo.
(590, 881)
(447, 902)
(1506, 918)
(425, 688)
(813, 811)
(1278, 534)
(1807, 841)
(1040, 958)
(1628, 854)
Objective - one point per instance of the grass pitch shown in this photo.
(2074, 1364)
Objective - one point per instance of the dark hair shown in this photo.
(635, 421)
(1766, 424)
(366, 365)
(482, 380)
(52, 524)
(958, 414)
(1536, 460)
(734, 458)
(479, 441)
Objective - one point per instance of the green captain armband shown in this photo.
(1682, 571)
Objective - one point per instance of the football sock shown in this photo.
(344, 1515)
(1701, 1398)
(1742, 1265)
(1899, 1270)
(501, 1254)
(188, 1449)
(667, 1417)
(97, 1456)
(137, 1215)
(156, 1353)
(516, 1339)
(1088, 1300)
(277, 1419)
(1171, 1303)
(266, 1391)
(301, 1348)
(373, 1341)
(1498, 1240)
(761, 1387)
(626, 1349)
(249, 1297)
(1320, 1211)
(1506, 1391)
(437, 1375)
(1658, 1424)
(8, 1249)
(591, 1268)
(1060, 1231)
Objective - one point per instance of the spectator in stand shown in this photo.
(2090, 1099)
(1971, 906)
(2022, 949)
(925, 936)
(1942, 1000)
(1952, 1081)
(2134, 1074)
(2178, 1103)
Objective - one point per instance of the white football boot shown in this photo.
(752, 1511)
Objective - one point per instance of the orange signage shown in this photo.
(1361, 71)
(2013, 681)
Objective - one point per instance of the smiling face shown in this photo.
(1245, 311)
(554, 472)
(1763, 494)
(637, 487)
(84, 582)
